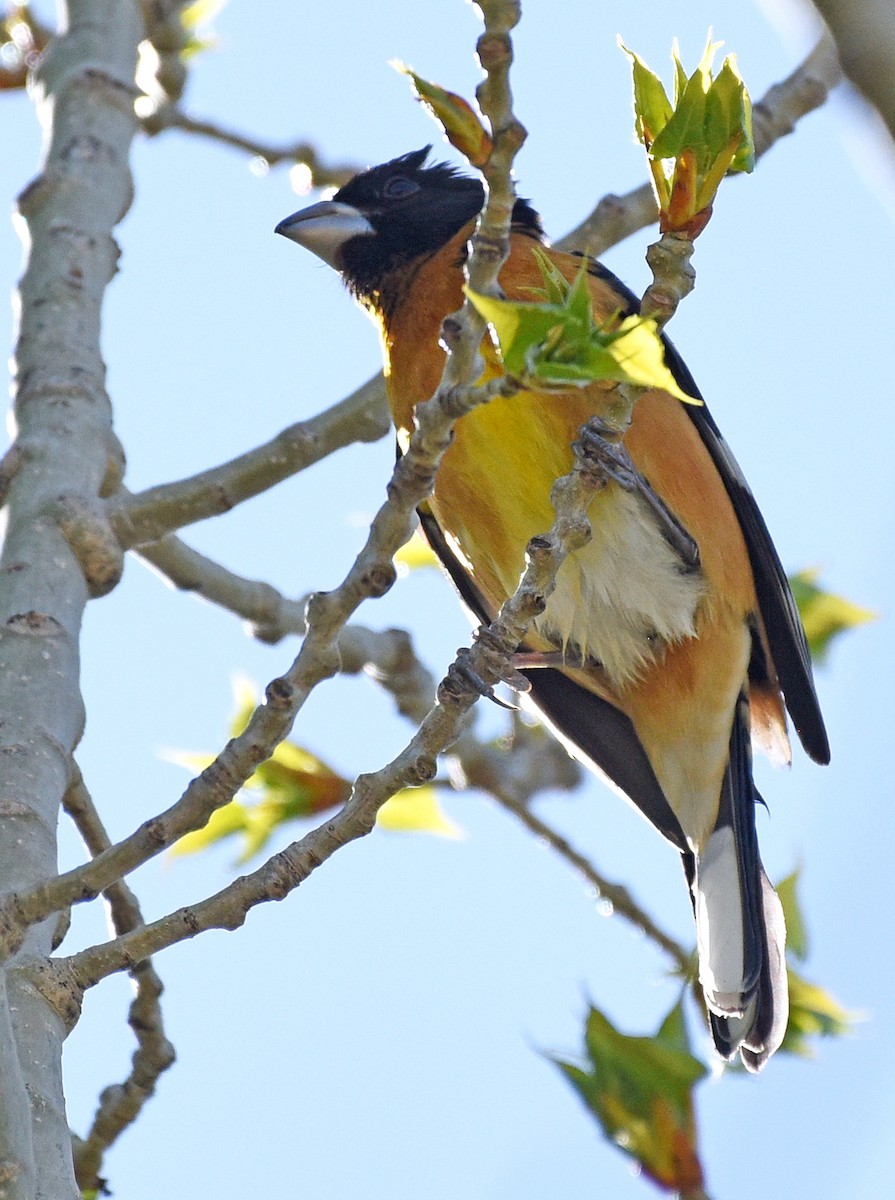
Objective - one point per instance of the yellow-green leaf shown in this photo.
(459, 120)
(225, 822)
(245, 693)
(694, 143)
(416, 810)
(641, 1091)
(634, 354)
(813, 1012)
(416, 553)
(555, 343)
(292, 784)
(652, 108)
(797, 941)
(200, 12)
(824, 614)
(729, 115)
(796, 930)
(196, 20)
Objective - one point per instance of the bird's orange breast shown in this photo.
(493, 488)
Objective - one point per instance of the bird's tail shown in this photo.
(740, 928)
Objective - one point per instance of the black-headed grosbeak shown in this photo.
(668, 667)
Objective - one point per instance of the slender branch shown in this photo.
(774, 116)
(320, 174)
(120, 1104)
(167, 35)
(271, 615)
(387, 655)
(149, 515)
(371, 575)
(623, 903)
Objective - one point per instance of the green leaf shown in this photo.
(196, 20)
(632, 353)
(729, 115)
(224, 823)
(813, 1012)
(416, 553)
(518, 326)
(680, 75)
(652, 108)
(640, 1089)
(554, 342)
(692, 145)
(200, 12)
(824, 615)
(416, 810)
(685, 128)
(247, 699)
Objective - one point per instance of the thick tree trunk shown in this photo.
(55, 549)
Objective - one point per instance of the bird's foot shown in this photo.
(602, 446)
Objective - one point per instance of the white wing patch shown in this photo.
(625, 595)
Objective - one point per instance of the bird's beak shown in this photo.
(325, 228)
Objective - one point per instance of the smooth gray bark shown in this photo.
(62, 454)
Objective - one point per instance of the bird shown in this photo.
(659, 667)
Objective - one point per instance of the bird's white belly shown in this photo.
(625, 595)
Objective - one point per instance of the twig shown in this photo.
(320, 173)
(149, 515)
(623, 903)
(271, 615)
(774, 116)
(386, 655)
(120, 1104)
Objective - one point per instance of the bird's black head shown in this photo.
(390, 215)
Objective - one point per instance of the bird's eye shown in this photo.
(398, 187)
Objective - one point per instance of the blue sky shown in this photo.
(383, 1031)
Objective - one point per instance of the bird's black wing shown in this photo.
(786, 637)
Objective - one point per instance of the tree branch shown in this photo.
(150, 515)
(474, 672)
(320, 174)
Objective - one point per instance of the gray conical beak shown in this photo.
(324, 228)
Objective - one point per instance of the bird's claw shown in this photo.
(602, 446)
